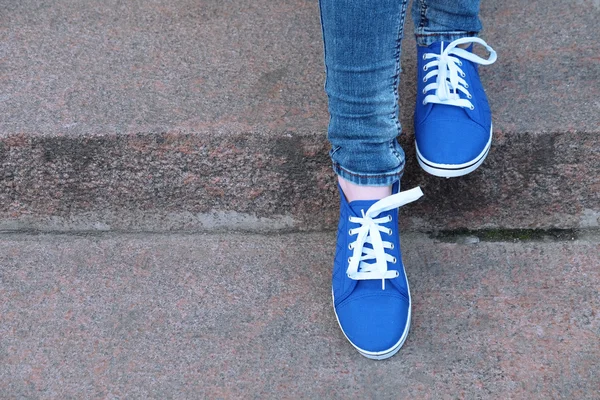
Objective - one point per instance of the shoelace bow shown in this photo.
(446, 66)
(369, 231)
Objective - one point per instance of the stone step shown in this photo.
(249, 316)
(186, 115)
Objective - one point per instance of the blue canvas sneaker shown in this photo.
(453, 122)
(370, 291)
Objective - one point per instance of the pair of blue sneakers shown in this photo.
(453, 134)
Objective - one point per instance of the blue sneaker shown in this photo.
(453, 121)
(370, 291)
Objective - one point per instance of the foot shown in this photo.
(370, 290)
(453, 122)
(352, 191)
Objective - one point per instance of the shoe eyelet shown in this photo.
(390, 232)
(425, 68)
(469, 96)
(350, 232)
(350, 247)
(424, 58)
(460, 63)
(424, 103)
(389, 217)
(472, 107)
(424, 80)
(394, 260)
(392, 246)
(349, 260)
(424, 91)
(463, 74)
(466, 85)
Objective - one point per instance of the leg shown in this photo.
(362, 54)
(369, 285)
(445, 20)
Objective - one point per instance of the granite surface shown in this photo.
(186, 115)
(72, 67)
(248, 316)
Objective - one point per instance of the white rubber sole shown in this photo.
(453, 170)
(381, 355)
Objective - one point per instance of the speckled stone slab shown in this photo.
(228, 316)
(203, 115)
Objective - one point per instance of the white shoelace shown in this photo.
(370, 232)
(450, 76)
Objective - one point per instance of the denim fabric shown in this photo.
(445, 20)
(362, 41)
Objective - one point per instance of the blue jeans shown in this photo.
(362, 41)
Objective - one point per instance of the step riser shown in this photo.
(186, 182)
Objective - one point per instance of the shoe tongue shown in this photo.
(357, 205)
(437, 47)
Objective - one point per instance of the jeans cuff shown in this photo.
(386, 179)
(426, 38)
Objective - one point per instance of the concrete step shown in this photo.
(187, 115)
(249, 316)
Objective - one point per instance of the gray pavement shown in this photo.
(97, 67)
(250, 316)
(197, 115)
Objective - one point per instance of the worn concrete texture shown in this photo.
(196, 115)
(248, 316)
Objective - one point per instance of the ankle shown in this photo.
(353, 191)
